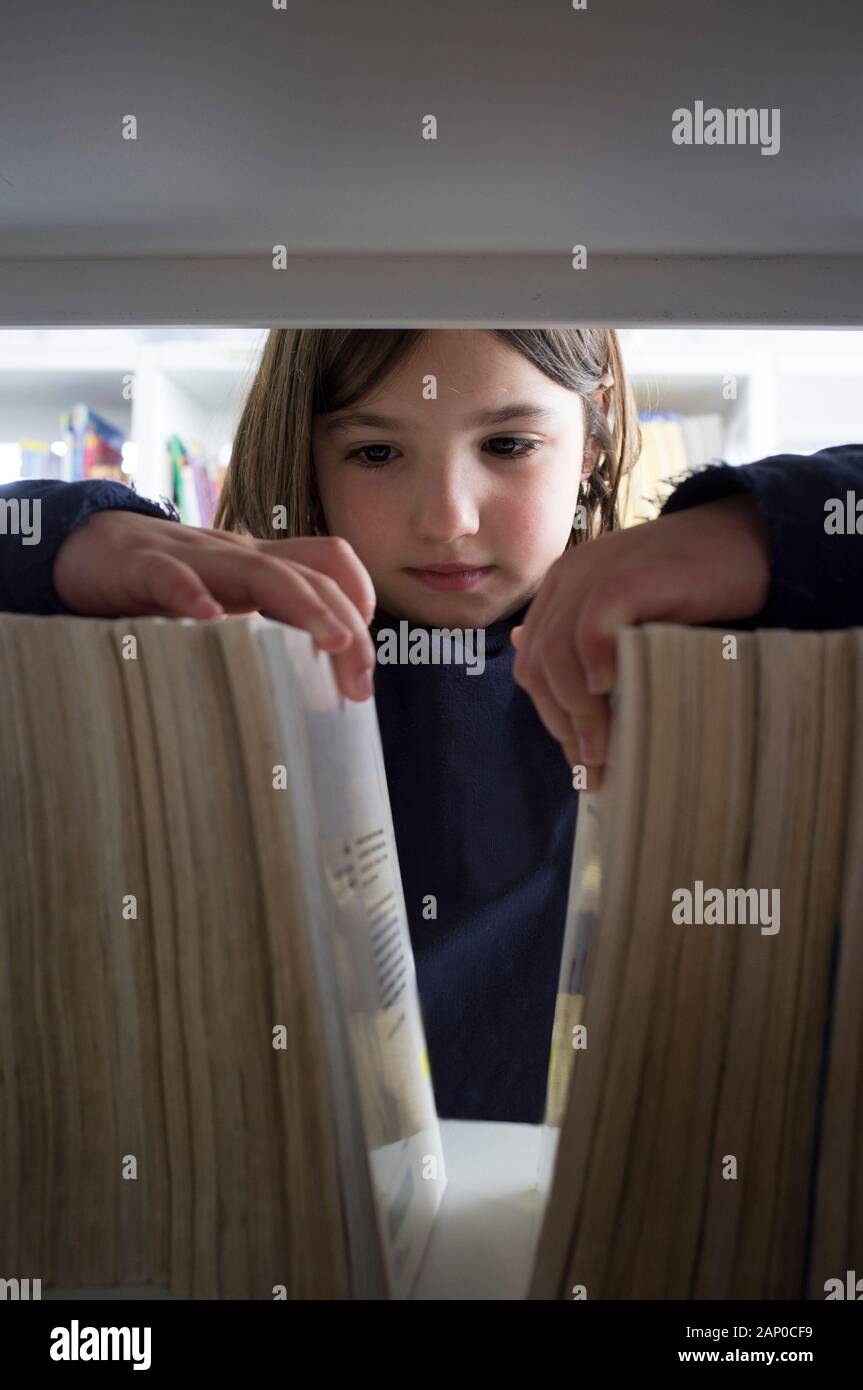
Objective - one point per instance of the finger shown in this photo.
(592, 729)
(590, 776)
(587, 713)
(595, 779)
(247, 579)
(333, 621)
(343, 608)
(553, 715)
(336, 557)
(529, 670)
(174, 588)
(355, 662)
(631, 595)
(550, 670)
(250, 576)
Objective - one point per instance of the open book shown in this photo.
(705, 1102)
(213, 1075)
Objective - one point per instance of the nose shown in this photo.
(446, 504)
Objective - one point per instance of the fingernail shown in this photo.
(329, 630)
(599, 682)
(363, 684)
(589, 748)
(205, 607)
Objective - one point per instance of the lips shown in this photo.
(458, 568)
(450, 576)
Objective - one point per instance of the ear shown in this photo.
(592, 450)
(591, 458)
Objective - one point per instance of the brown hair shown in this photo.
(309, 370)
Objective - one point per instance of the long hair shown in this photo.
(309, 370)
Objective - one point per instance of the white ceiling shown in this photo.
(302, 127)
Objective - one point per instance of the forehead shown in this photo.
(465, 361)
(469, 377)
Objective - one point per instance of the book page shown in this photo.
(582, 907)
(371, 944)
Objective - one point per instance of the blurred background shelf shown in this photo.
(152, 386)
(750, 392)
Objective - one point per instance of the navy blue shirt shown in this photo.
(484, 814)
(482, 800)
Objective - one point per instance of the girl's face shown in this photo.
(482, 481)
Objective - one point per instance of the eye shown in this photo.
(370, 449)
(522, 446)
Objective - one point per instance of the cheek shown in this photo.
(536, 521)
(355, 512)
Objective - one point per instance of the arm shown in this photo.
(36, 516)
(96, 548)
(816, 575)
(742, 546)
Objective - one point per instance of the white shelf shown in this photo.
(149, 384)
(193, 389)
(485, 1232)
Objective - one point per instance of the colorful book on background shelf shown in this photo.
(94, 448)
(38, 461)
(671, 444)
(195, 482)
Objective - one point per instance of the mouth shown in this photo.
(450, 577)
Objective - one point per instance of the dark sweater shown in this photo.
(482, 800)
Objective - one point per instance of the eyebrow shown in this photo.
(520, 410)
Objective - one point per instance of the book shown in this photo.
(213, 1075)
(38, 460)
(94, 448)
(213, 1072)
(196, 482)
(703, 1121)
(671, 444)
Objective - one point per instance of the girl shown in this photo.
(453, 479)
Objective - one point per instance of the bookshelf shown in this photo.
(194, 389)
(150, 384)
(759, 392)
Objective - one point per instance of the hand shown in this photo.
(125, 563)
(710, 563)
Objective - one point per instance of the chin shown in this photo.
(469, 610)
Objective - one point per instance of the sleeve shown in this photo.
(815, 528)
(36, 516)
